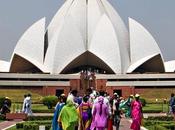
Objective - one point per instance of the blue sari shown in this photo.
(55, 125)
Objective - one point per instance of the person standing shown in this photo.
(5, 107)
(28, 104)
(172, 105)
(59, 106)
(24, 104)
(136, 113)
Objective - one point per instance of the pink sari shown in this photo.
(136, 114)
(100, 115)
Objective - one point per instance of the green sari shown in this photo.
(68, 116)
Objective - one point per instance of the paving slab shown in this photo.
(124, 125)
(7, 124)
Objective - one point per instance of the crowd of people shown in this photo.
(96, 111)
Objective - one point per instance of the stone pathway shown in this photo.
(124, 125)
(7, 124)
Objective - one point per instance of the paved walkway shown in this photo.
(124, 125)
(7, 124)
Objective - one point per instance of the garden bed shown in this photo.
(159, 123)
(32, 125)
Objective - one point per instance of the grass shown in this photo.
(17, 95)
(148, 107)
(159, 125)
(39, 107)
(156, 93)
(32, 125)
(14, 128)
(156, 108)
(35, 107)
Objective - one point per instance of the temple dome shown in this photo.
(87, 34)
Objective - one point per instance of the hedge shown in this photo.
(152, 111)
(33, 125)
(157, 127)
(36, 118)
(169, 126)
(2, 117)
(155, 124)
(50, 101)
(160, 118)
(43, 111)
(143, 101)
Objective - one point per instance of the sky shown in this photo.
(157, 16)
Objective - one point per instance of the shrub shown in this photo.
(19, 125)
(50, 101)
(43, 111)
(152, 111)
(160, 118)
(2, 117)
(159, 127)
(170, 126)
(39, 118)
(33, 125)
(143, 101)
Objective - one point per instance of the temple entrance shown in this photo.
(59, 92)
(118, 91)
(87, 81)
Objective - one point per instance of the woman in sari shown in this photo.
(84, 111)
(59, 106)
(100, 115)
(68, 118)
(136, 113)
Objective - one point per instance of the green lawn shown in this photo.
(147, 108)
(156, 108)
(17, 95)
(39, 107)
(36, 108)
(156, 93)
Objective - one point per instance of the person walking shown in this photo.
(116, 111)
(128, 106)
(59, 106)
(100, 115)
(68, 118)
(136, 113)
(85, 115)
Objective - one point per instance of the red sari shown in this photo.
(136, 114)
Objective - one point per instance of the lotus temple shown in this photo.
(86, 45)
